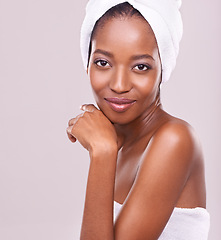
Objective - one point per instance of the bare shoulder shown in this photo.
(164, 173)
(176, 144)
(178, 135)
(178, 129)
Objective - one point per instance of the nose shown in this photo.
(120, 82)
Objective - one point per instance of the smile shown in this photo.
(120, 104)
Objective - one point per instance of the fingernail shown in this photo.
(82, 107)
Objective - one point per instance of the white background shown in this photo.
(42, 84)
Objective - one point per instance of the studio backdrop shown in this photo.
(42, 84)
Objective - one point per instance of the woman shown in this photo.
(146, 176)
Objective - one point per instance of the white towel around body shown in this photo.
(184, 224)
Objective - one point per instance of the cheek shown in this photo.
(149, 85)
(98, 81)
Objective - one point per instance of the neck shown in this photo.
(141, 126)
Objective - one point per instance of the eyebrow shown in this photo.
(106, 53)
(135, 57)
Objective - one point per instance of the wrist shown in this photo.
(103, 149)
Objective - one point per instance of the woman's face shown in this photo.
(124, 69)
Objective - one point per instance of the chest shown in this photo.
(127, 166)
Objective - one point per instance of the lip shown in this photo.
(120, 104)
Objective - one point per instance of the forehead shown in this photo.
(132, 33)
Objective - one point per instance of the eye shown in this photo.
(102, 63)
(142, 67)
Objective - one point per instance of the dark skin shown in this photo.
(143, 158)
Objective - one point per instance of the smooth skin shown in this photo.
(143, 158)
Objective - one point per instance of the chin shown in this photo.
(119, 118)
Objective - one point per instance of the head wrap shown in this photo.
(162, 15)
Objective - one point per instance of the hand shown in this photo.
(92, 129)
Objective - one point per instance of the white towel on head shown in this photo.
(163, 16)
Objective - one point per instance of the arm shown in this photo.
(165, 168)
(98, 211)
(95, 132)
(164, 171)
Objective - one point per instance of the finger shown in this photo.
(88, 107)
(74, 120)
(69, 130)
(70, 135)
(71, 138)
